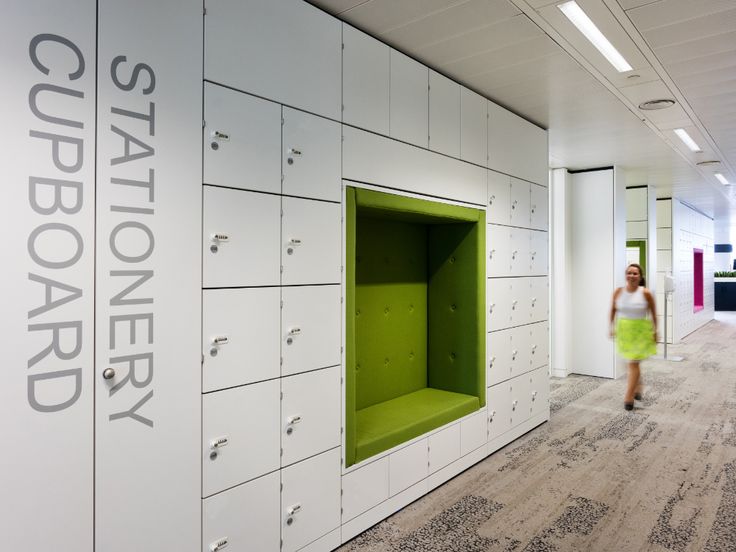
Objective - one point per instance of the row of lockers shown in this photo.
(514, 351)
(516, 400)
(516, 252)
(516, 301)
(515, 202)
(258, 239)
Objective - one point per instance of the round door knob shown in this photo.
(108, 373)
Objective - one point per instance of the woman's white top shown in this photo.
(632, 304)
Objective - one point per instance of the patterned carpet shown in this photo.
(659, 478)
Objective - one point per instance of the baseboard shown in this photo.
(324, 544)
(513, 434)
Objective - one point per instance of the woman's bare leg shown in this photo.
(633, 381)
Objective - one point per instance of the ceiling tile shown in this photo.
(337, 7)
(666, 12)
(697, 48)
(694, 29)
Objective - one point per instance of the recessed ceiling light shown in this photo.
(651, 105)
(578, 18)
(721, 178)
(689, 142)
(709, 163)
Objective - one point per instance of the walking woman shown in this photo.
(636, 335)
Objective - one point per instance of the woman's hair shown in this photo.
(642, 281)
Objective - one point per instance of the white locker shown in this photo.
(444, 115)
(520, 199)
(311, 238)
(539, 344)
(365, 81)
(310, 414)
(240, 336)
(408, 466)
(310, 328)
(240, 238)
(366, 487)
(473, 127)
(498, 245)
(444, 447)
(519, 301)
(499, 409)
(520, 351)
(539, 299)
(230, 520)
(538, 252)
(519, 256)
(409, 100)
(474, 432)
(498, 293)
(240, 434)
(499, 352)
(499, 198)
(242, 140)
(540, 391)
(290, 52)
(521, 399)
(310, 500)
(539, 207)
(311, 156)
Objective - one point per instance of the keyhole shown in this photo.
(215, 146)
(213, 352)
(289, 340)
(290, 251)
(214, 248)
(213, 455)
(290, 160)
(289, 521)
(289, 430)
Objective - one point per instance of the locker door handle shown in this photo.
(534, 301)
(514, 253)
(513, 405)
(221, 136)
(513, 305)
(219, 442)
(513, 354)
(293, 420)
(295, 509)
(293, 242)
(493, 413)
(513, 205)
(219, 544)
(534, 208)
(295, 331)
(108, 373)
(220, 340)
(493, 359)
(294, 151)
(534, 254)
(534, 348)
(534, 395)
(491, 309)
(490, 201)
(490, 256)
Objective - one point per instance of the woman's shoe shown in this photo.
(637, 397)
(629, 405)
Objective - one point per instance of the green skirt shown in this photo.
(635, 338)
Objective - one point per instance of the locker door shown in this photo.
(310, 500)
(444, 447)
(444, 115)
(240, 238)
(409, 100)
(539, 299)
(311, 242)
(520, 350)
(310, 328)
(311, 156)
(230, 520)
(538, 253)
(474, 432)
(539, 207)
(499, 198)
(498, 296)
(310, 414)
(499, 409)
(241, 340)
(540, 391)
(242, 140)
(521, 399)
(240, 433)
(499, 352)
(520, 200)
(519, 298)
(539, 341)
(473, 127)
(499, 251)
(519, 259)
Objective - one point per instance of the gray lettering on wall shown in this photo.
(50, 303)
(55, 346)
(50, 226)
(132, 413)
(56, 140)
(141, 183)
(58, 187)
(131, 258)
(33, 53)
(130, 85)
(132, 361)
(131, 318)
(33, 103)
(128, 139)
(150, 116)
(120, 298)
(33, 379)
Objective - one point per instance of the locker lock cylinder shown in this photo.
(291, 421)
(293, 332)
(217, 239)
(216, 445)
(293, 152)
(217, 137)
(291, 511)
(219, 544)
(216, 342)
(293, 242)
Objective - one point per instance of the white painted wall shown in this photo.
(561, 326)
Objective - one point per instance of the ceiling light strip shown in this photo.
(689, 142)
(583, 23)
(721, 178)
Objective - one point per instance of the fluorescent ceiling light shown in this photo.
(578, 18)
(721, 178)
(689, 142)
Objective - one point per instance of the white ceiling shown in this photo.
(526, 56)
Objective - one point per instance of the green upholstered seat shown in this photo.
(390, 423)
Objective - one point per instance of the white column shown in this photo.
(560, 223)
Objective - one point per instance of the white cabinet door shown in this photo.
(408, 466)
(539, 253)
(310, 414)
(473, 127)
(242, 140)
(499, 352)
(539, 341)
(498, 292)
(290, 52)
(240, 431)
(521, 399)
(366, 487)
(444, 115)
(365, 81)
(409, 100)
(310, 500)
(310, 328)
(444, 447)
(539, 208)
(499, 198)
(311, 242)
(498, 245)
(240, 336)
(230, 519)
(498, 404)
(519, 298)
(519, 258)
(539, 299)
(520, 199)
(474, 432)
(520, 350)
(311, 156)
(540, 391)
(240, 238)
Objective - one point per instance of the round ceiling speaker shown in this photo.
(652, 105)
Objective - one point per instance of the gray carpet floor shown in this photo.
(595, 477)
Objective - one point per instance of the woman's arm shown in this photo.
(611, 330)
(652, 308)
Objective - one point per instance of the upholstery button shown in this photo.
(453, 307)
(452, 259)
(452, 356)
(411, 308)
(385, 361)
(386, 310)
(357, 312)
(411, 356)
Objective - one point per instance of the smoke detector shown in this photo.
(652, 105)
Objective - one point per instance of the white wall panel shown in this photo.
(409, 100)
(377, 160)
(149, 204)
(445, 446)
(473, 127)
(365, 488)
(365, 81)
(408, 466)
(444, 115)
(286, 51)
(46, 395)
